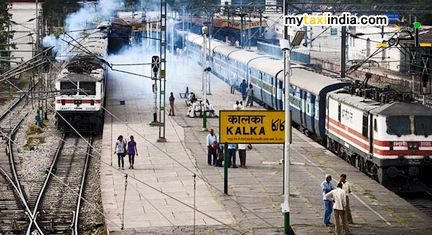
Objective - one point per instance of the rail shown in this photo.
(44, 186)
(83, 179)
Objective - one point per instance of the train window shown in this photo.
(375, 125)
(339, 112)
(398, 125)
(67, 88)
(423, 125)
(87, 88)
(365, 125)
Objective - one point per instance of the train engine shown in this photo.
(81, 98)
(383, 135)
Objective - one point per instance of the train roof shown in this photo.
(270, 66)
(388, 109)
(96, 76)
(245, 56)
(313, 82)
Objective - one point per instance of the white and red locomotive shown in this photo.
(81, 85)
(390, 141)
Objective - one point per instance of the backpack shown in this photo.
(214, 145)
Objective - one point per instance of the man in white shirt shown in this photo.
(242, 154)
(236, 106)
(347, 188)
(339, 198)
(211, 147)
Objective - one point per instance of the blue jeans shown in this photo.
(328, 205)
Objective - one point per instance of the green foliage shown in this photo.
(5, 16)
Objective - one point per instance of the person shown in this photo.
(232, 81)
(212, 146)
(339, 197)
(241, 107)
(242, 154)
(191, 98)
(243, 87)
(232, 148)
(249, 94)
(171, 102)
(132, 151)
(120, 147)
(38, 119)
(209, 107)
(326, 187)
(347, 188)
(193, 108)
(235, 107)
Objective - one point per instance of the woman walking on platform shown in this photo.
(132, 150)
(121, 150)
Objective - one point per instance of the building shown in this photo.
(24, 25)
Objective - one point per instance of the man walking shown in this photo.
(326, 187)
(171, 102)
(212, 146)
(232, 155)
(249, 94)
(243, 87)
(347, 188)
(339, 197)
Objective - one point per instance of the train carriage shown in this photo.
(378, 137)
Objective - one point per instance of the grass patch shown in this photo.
(32, 130)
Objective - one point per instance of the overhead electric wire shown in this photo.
(172, 158)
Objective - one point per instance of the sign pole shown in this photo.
(285, 208)
(226, 168)
(205, 73)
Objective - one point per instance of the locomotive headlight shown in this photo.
(427, 158)
(91, 102)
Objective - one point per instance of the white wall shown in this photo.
(22, 12)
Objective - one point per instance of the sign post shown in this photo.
(225, 168)
(249, 127)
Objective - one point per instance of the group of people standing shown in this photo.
(123, 147)
(337, 199)
(246, 91)
(215, 152)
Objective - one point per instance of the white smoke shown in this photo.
(85, 19)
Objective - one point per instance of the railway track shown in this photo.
(14, 209)
(422, 201)
(13, 206)
(58, 203)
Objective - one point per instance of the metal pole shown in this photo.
(205, 30)
(226, 168)
(37, 25)
(343, 51)
(162, 52)
(285, 208)
(210, 54)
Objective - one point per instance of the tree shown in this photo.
(5, 33)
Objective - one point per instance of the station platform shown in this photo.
(255, 193)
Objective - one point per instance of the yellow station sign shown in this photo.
(252, 127)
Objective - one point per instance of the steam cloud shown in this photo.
(87, 17)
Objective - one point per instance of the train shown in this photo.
(383, 133)
(81, 84)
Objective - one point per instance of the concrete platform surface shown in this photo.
(255, 193)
